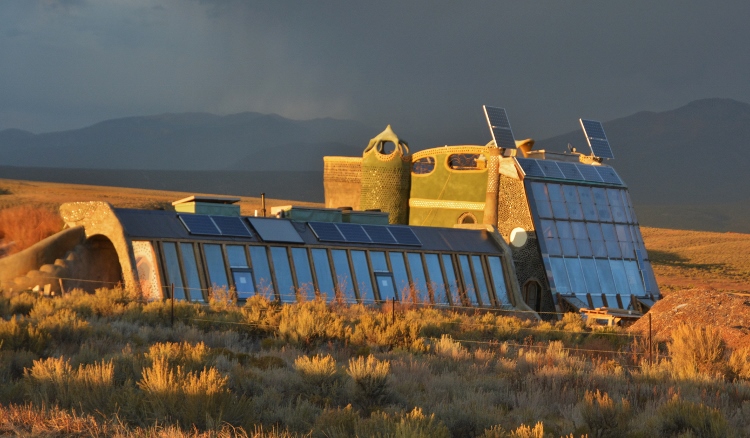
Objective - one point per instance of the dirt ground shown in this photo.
(730, 312)
(51, 195)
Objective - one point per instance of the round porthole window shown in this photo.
(518, 237)
(467, 218)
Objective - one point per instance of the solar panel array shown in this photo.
(205, 225)
(500, 127)
(568, 171)
(355, 233)
(596, 138)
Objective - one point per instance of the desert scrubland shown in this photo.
(110, 364)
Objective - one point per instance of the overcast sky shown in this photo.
(426, 67)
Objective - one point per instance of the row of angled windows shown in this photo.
(285, 272)
(591, 239)
(600, 277)
(577, 202)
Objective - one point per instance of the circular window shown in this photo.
(467, 218)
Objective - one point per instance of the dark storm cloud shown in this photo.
(426, 67)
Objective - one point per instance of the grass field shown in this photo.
(110, 365)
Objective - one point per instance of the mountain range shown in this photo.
(686, 168)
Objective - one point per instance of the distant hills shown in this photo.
(189, 141)
(686, 168)
(695, 154)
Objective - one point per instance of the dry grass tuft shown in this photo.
(23, 226)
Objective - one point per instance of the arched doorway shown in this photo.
(532, 294)
(100, 264)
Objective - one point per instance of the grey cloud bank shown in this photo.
(425, 67)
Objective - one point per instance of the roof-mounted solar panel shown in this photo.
(530, 167)
(231, 226)
(379, 234)
(353, 233)
(609, 175)
(596, 138)
(570, 170)
(326, 232)
(550, 169)
(405, 236)
(589, 173)
(497, 119)
(275, 230)
(199, 224)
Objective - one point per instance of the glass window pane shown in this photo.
(610, 239)
(236, 256)
(450, 274)
(584, 248)
(541, 199)
(621, 279)
(575, 275)
(217, 274)
(563, 230)
(386, 288)
(470, 290)
(498, 280)
(555, 193)
(283, 272)
(362, 274)
(323, 273)
(634, 278)
(587, 204)
(540, 191)
(549, 231)
(484, 293)
(243, 283)
(173, 269)
(559, 210)
(417, 275)
(263, 279)
(629, 204)
(377, 258)
(559, 275)
(399, 273)
(588, 266)
(615, 203)
(191, 272)
(305, 284)
(598, 300)
(606, 281)
(437, 284)
(565, 234)
(584, 299)
(571, 200)
(343, 275)
(602, 205)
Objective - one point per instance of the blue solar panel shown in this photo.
(275, 230)
(199, 224)
(379, 234)
(497, 119)
(550, 169)
(589, 173)
(570, 171)
(596, 138)
(609, 175)
(353, 233)
(326, 232)
(530, 167)
(231, 226)
(405, 236)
